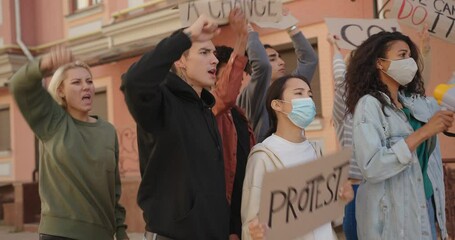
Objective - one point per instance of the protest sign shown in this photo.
(286, 21)
(296, 200)
(438, 14)
(353, 32)
(255, 10)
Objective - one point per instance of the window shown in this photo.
(5, 134)
(99, 107)
(288, 55)
(77, 5)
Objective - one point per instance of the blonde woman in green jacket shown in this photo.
(78, 175)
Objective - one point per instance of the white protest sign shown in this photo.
(296, 200)
(255, 10)
(286, 22)
(353, 32)
(438, 14)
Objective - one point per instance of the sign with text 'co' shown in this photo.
(255, 10)
(438, 14)
(354, 31)
(296, 200)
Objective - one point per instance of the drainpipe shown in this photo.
(24, 48)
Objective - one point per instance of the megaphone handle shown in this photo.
(449, 134)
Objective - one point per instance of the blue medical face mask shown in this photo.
(303, 112)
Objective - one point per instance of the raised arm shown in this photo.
(252, 99)
(307, 60)
(141, 83)
(39, 109)
(425, 50)
(339, 72)
(230, 80)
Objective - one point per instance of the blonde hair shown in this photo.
(58, 78)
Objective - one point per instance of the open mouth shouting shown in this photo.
(212, 72)
(87, 98)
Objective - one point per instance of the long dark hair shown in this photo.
(362, 75)
(275, 91)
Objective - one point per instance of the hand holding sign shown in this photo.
(297, 200)
(203, 29)
(258, 231)
(332, 39)
(346, 192)
(424, 36)
(286, 21)
(237, 21)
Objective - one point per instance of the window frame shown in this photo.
(7, 150)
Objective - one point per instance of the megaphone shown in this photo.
(445, 95)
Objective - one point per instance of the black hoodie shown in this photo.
(182, 193)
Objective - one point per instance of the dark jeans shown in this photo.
(50, 237)
(430, 208)
(349, 222)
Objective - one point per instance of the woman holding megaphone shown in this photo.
(395, 142)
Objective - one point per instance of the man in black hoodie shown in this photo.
(182, 193)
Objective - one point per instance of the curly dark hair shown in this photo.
(275, 91)
(362, 75)
(223, 53)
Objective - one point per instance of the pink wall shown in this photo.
(7, 28)
(48, 21)
(122, 120)
(29, 22)
(115, 70)
(113, 6)
(41, 21)
(23, 147)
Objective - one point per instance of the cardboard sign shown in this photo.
(285, 22)
(255, 10)
(438, 14)
(295, 201)
(354, 31)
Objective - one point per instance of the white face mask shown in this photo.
(402, 71)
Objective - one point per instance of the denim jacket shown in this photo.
(390, 201)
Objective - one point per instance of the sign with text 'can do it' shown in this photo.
(255, 10)
(353, 32)
(297, 200)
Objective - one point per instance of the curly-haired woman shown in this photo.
(395, 143)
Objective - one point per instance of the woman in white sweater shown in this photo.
(291, 109)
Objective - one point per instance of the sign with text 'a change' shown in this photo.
(255, 10)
